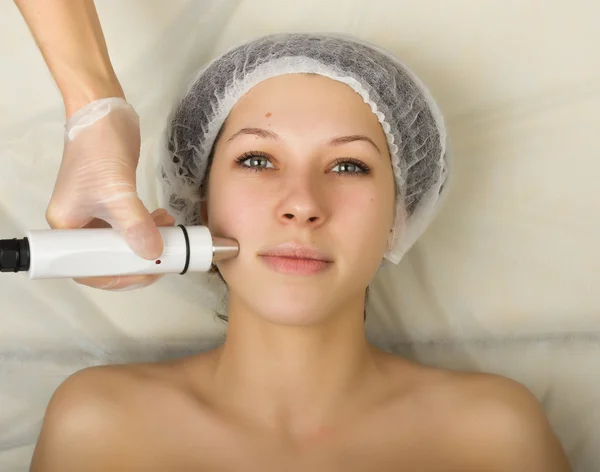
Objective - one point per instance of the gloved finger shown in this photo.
(132, 282)
(161, 218)
(58, 219)
(158, 216)
(132, 219)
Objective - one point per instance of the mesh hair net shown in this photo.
(411, 120)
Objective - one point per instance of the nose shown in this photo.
(302, 203)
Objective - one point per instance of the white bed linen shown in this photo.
(506, 280)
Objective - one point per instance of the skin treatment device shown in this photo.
(78, 253)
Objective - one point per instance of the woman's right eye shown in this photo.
(254, 162)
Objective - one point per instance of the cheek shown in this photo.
(364, 220)
(236, 209)
(368, 208)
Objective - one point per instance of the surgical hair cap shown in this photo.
(411, 120)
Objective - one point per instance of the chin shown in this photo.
(291, 306)
(303, 308)
(284, 314)
(290, 300)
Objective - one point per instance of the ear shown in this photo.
(390, 239)
(401, 215)
(204, 212)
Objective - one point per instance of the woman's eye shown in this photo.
(350, 168)
(255, 162)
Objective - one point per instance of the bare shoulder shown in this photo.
(497, 424)
(100, 409)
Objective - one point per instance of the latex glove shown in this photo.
(96, 184)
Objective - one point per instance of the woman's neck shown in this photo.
(295, 379)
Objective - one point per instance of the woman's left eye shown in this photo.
(350, 167)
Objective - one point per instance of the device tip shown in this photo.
(225, 248)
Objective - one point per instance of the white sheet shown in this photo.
(505, 279)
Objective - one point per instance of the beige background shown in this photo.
(506, 280)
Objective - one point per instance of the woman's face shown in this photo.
(302, 165)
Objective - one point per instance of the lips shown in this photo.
(296, 259)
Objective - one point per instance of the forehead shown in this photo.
(304, 102)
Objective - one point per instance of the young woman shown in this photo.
(321, 157)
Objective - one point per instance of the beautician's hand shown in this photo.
(160, 218)
(96, 183)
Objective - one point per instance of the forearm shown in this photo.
(69, 36)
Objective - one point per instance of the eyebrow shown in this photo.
(338, 141)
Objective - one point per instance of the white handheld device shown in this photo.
(77, 253)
